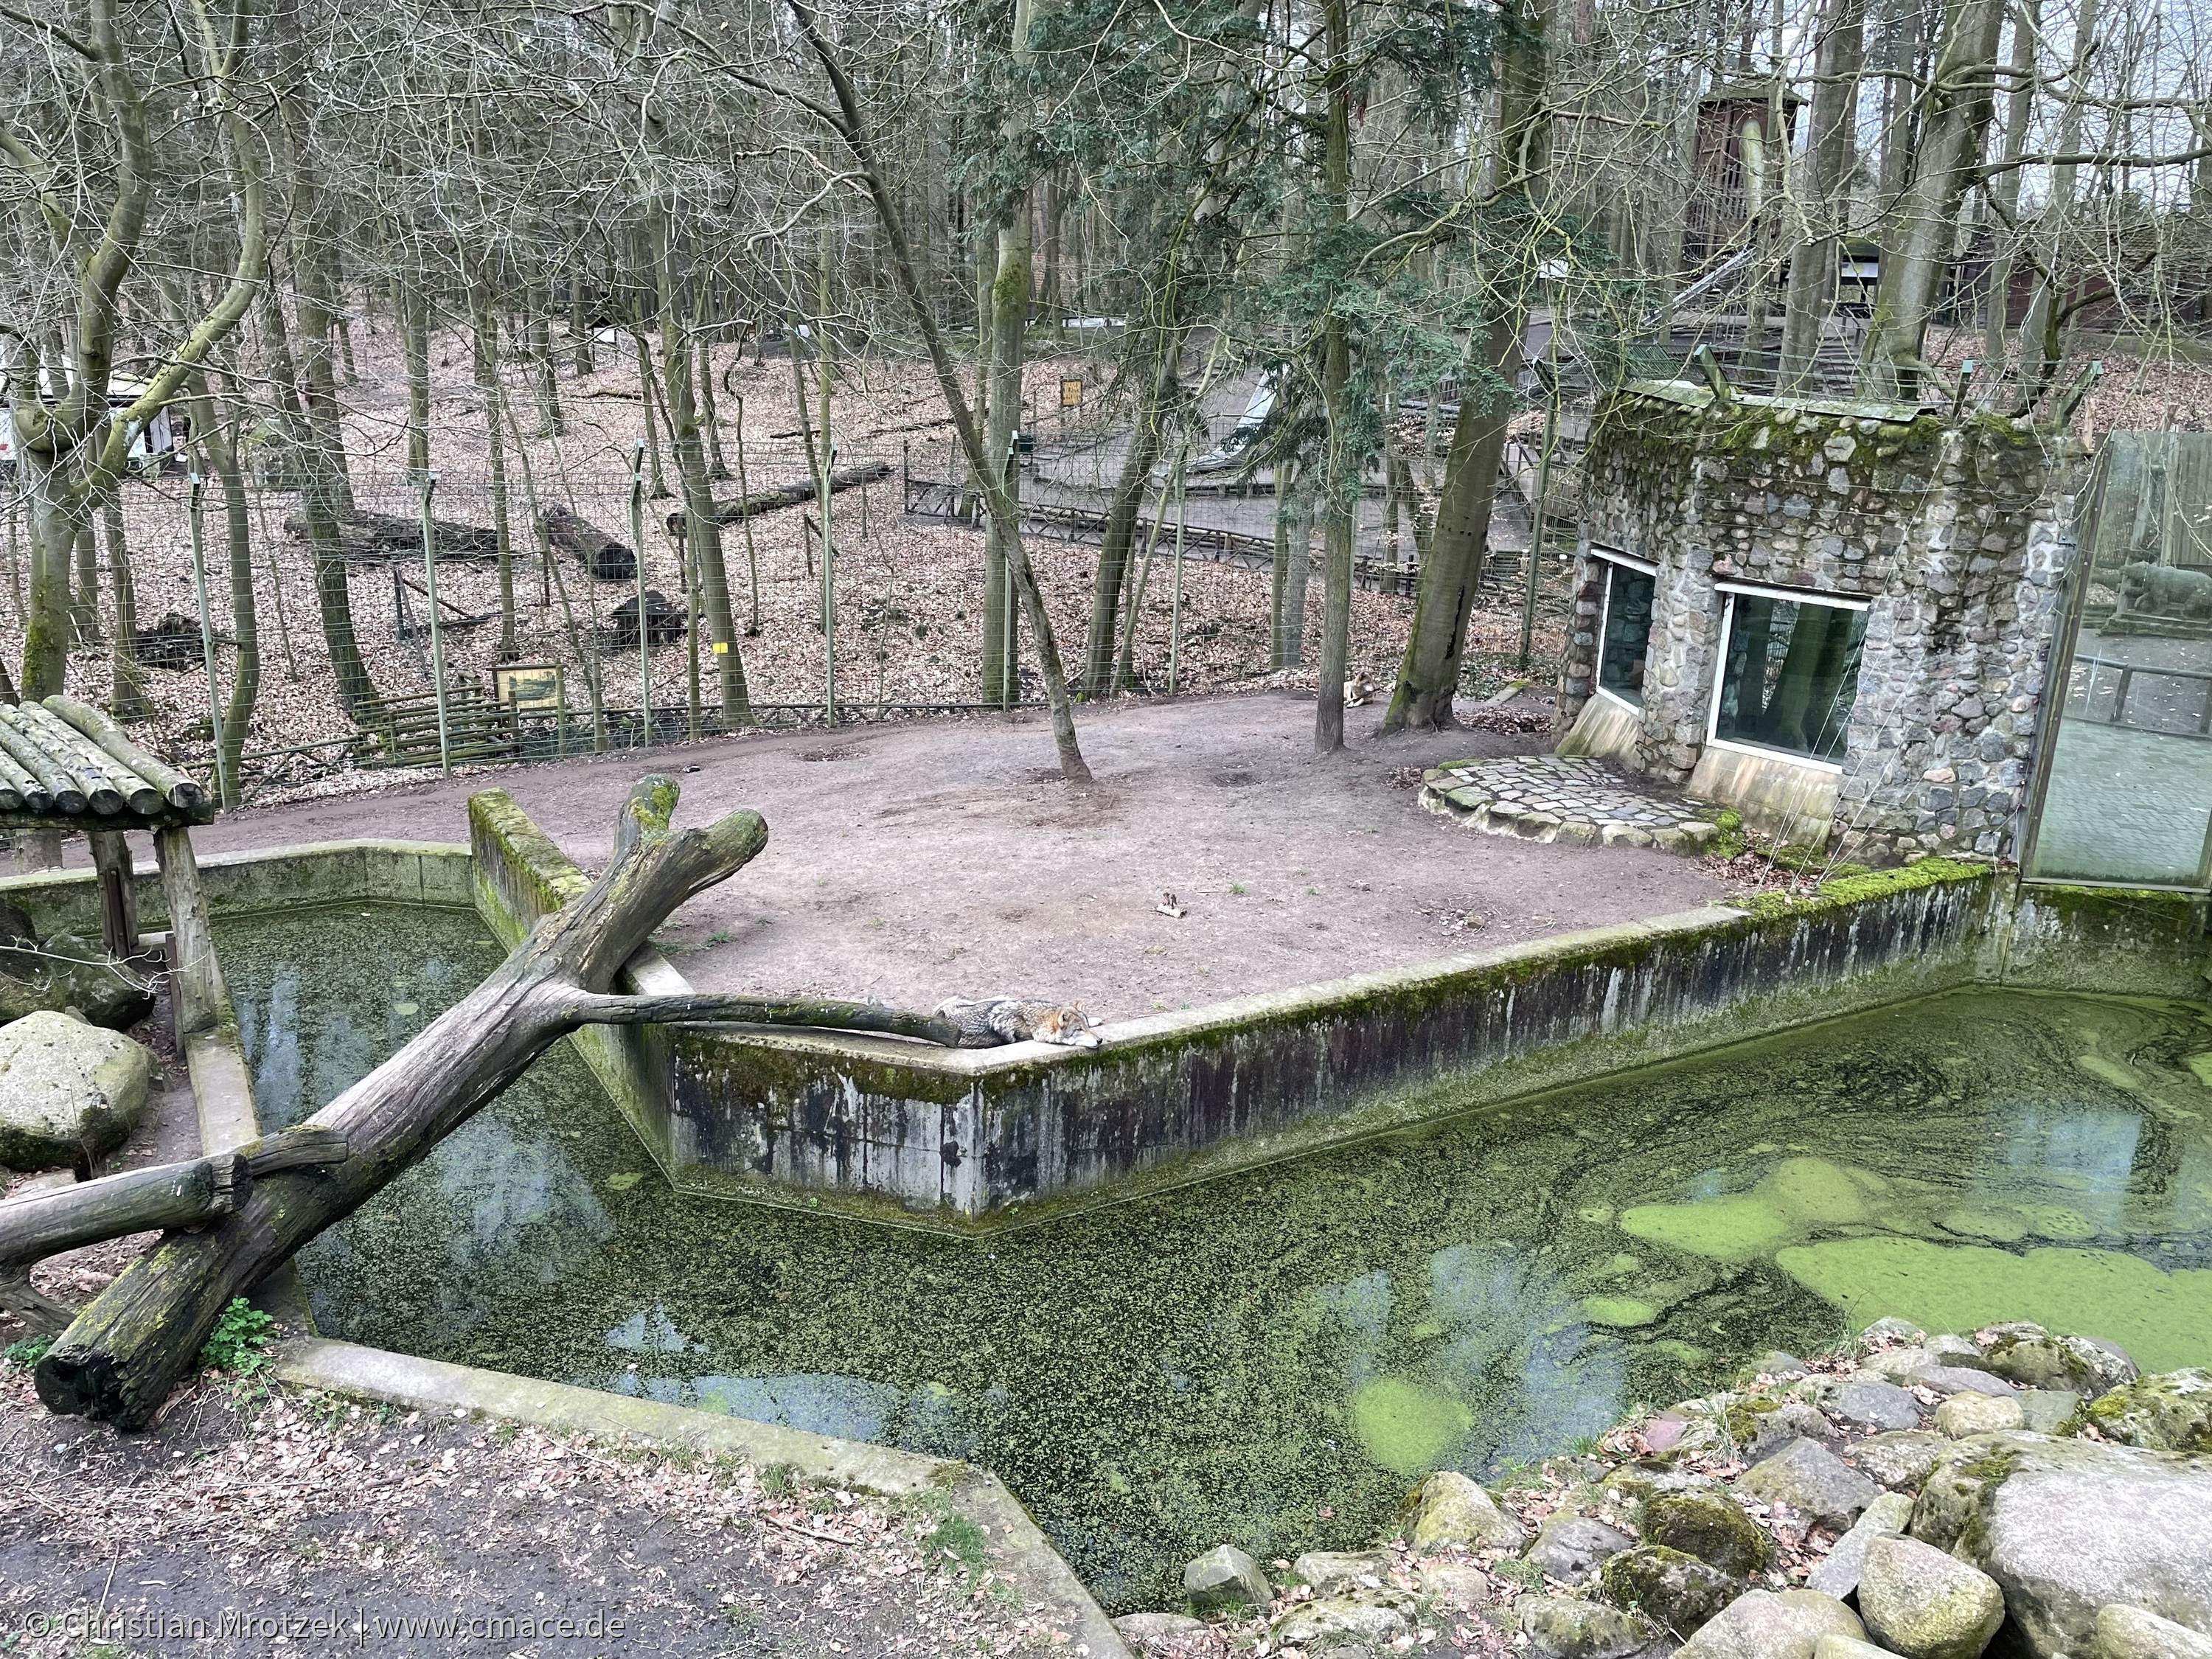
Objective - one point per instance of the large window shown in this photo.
(1625, 636)
(1789, 672)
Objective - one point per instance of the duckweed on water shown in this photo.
(1229, 1361)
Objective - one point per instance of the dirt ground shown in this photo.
(252, 1521)
(910, 863)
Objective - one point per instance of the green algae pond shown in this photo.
(1272, 1357)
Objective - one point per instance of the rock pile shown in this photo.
(1926, 1497)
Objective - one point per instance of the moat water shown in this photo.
(1274, 1357)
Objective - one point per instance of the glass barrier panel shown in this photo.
(1790, 676)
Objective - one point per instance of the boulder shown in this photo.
(2126, 1633)
(2048, 1411)
(1963, 1414)
(1712, 1527)
(1559, 1628)
(1457, 1585)
(2066, 1527)
(1451, 1510)
(1871, 1403)
(1848, 1647)
(1792, 1420)
(1157, 1633)
(1626, 1487)
(1958, 1379)
(1902, 1459)
(1887, 1329)
(1813, 1481)
(1838, 1573)
(2032, 1358)
(65, 975)
(1894, 1362)
(1330, 1571)
(1951, 1350)
(1570, 1547)
(1783, 1367)
(1773, 1624)
(1920, 1602)
(1342, 1621)
(2112, 1363)
(1678, 1591)
(2170, 1411)
(1226, 1578)
(68, 1090)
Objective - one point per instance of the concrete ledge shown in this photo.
(1021, 1552)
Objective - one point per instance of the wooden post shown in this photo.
(119, 897)
(195, 987)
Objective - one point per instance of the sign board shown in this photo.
(528, 687)
(1071, 393)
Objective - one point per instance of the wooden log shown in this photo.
(47, 1220)
(606, 558)
(61, 790)
(195, 983)
(380, 537)
(119, 893)
(790, 495)
(180, 791)
(120, 1359)
(123, 786)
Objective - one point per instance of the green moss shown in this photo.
(1619, 1312)
(2163, 1319)
(1801, 1196)
(1406, 1426)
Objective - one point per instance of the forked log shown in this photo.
(120, 1359)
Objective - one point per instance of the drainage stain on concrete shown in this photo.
(1268, 1357)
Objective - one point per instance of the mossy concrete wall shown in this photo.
(272, 878)
(902, 1132)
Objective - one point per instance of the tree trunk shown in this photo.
(1124, 513)
(1954, 119)
(120, 1358)
(549, 422)
(412, 309)
(217, 428)
(1344, 475)
(126, 680)
(2038, 330)
(1428, 677)
(484, 359)
(702, 534)
(1825, 201)
(2004, 188)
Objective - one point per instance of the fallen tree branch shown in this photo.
(790, 495)
(722, 1008)
(122, 1355)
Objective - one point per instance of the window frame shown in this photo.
(1610, 557)
(1735, 590)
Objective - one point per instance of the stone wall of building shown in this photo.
(1957, 533)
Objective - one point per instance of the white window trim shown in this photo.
(1736, 746)
(1796, 595)
(1605, 615)
(1615, 556)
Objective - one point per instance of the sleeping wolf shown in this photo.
(987, 1022)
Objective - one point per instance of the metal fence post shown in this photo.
(1175, 613)
(829, 591)
(437, 637)
(223, 787)
(644, 633)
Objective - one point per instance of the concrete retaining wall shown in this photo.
(900, 1131)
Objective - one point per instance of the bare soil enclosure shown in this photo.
(919, 861)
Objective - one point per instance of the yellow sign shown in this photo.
(1071, 393)
(721, 648)
(528, 686)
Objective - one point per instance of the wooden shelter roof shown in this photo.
(66, 766)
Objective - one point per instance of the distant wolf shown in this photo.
(987, 1022)
(2162, 591)
(1359, 689)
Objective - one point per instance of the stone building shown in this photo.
(1834, 617)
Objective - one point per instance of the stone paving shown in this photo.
(1559, 797)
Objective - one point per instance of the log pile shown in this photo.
(384, 537)
(62, 759)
